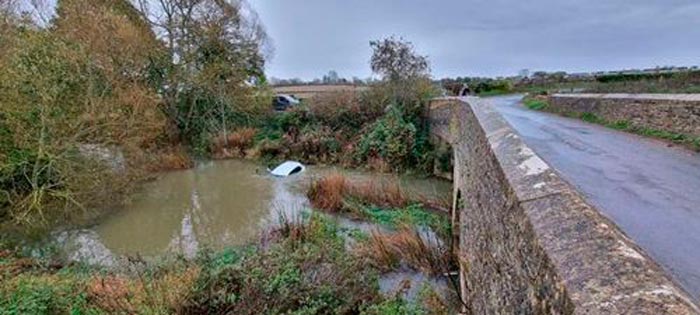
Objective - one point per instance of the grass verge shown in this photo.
(535, 103)
(624, 125)
(690, 142)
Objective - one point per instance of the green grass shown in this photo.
(412, 215)
(627, 126)
(494, 93)
(302, 267)
(622, 125)
(535, 104)
(592, 118)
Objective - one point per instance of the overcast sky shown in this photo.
(482, 37)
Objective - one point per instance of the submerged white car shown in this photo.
(287, 169)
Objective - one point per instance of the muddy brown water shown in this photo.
(217, 204)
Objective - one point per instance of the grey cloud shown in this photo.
(480, 37)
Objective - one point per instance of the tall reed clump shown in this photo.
(407, 247)
(335, 192)
(328, 192)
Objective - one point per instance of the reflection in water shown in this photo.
(85, 246)
(217, 204)
(185, 241)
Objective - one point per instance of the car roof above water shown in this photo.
(288, 168)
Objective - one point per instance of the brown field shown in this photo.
(309, 91)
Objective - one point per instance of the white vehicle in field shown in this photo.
(283, 101)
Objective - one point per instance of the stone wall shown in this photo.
(677, 113)
(528, 242)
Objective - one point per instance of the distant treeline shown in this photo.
(658, 81)
(331, 78)
(621, 77)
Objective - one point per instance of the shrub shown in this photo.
(54, 103)
(172, 158)
(233, 144)
(493, 87)
(305, 270)
(269, 149)
(316, 145)
(344, 110)
(392, 138)
(393, 306)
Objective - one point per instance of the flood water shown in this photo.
(216, 204)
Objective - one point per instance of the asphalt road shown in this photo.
(651, 190)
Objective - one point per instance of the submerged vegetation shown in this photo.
(302, 266)
(387, 204)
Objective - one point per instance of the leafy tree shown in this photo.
(400, 138)
(396, 59)
(215, 58)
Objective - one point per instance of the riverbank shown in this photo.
(303, 267)
(308, 262)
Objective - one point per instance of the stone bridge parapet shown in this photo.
(528, 241)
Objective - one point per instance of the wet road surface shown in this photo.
(651, 190)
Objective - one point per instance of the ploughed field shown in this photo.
(309, 91)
